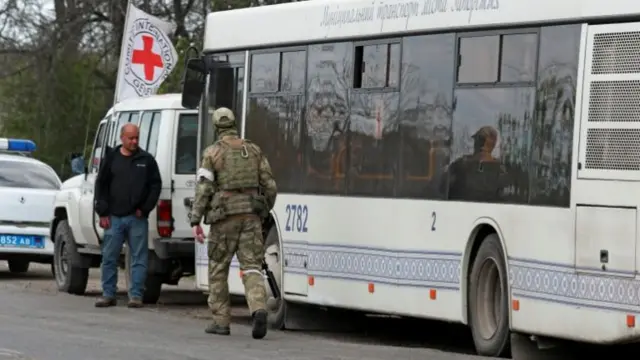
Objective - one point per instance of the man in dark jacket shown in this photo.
(127, 190)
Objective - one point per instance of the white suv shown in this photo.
(170, 134)
(27, 191)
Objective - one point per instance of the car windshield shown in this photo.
(18, 174)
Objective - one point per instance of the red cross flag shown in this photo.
(147, 56)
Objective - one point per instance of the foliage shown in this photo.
(58, 66)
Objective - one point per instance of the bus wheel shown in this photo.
(273, 257)
(489, 299)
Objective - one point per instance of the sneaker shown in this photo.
(216, 329)
(134, 303)
(104, 302)
(259, 324)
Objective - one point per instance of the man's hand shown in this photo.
(104, 222)
(198, 234)
(139, 213)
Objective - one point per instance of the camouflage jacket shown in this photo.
(208, 179)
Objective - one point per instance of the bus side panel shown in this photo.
(594, 295)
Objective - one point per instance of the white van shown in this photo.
(170, 133)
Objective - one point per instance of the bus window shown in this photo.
(553, 126)
(329, 79)
(425, 115)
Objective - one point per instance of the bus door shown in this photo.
(87, 216)
(225, 88)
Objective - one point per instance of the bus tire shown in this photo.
(489, 300)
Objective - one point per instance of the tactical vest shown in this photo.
(237, 166)
(237, 178)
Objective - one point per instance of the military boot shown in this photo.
(259, 324)
(216, 329)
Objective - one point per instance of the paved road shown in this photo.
(38, 323)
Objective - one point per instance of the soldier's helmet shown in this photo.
(223, 118)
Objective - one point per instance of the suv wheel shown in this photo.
(152, 286)
(70, 278)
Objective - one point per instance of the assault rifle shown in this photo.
(273, 285)
(271, 279)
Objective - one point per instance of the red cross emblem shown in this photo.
(147, 58)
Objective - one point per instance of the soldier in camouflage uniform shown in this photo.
(235, 192)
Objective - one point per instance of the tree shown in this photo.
(58, 64)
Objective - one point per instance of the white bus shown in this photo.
(473, 161)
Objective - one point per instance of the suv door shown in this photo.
(86, 212)
(185, 164)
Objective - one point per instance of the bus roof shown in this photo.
(325, 20)
(153, 102)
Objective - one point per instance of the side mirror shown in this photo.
(77, 165)
(193, 82)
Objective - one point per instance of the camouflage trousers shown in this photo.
(241, 236)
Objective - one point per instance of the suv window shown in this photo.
(17, 174)
(152, 144)
(145, 129)
(125, 117)
(186, 144)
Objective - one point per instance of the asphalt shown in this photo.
(46, 325)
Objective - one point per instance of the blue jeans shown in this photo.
(136, 231)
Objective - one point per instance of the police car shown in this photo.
(27, 192)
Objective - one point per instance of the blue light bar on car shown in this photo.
(17, 145)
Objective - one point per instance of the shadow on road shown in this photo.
(7, 275)
(413, 333)
(393, 331)
(373, 330)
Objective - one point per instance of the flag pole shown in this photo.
(123, 49)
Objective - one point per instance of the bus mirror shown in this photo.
(193, 82)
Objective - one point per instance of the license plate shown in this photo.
(22, 241)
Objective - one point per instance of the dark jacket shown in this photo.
(145, 190)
